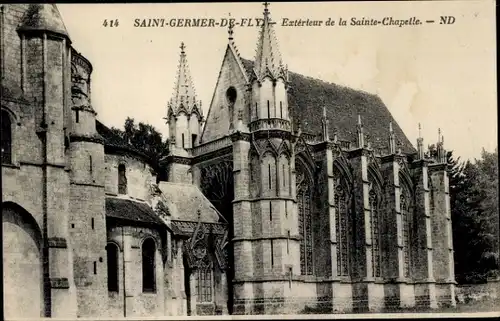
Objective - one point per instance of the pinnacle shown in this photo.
(268, 56)
(184, 92)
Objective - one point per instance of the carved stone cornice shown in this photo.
(419, 163)
(226, 151)
(173, 159)
(393, 158)
(236, 136)
(359, 152)
(437, 167)
(84, 138)
(272, 133)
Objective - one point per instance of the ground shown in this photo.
(483, 305)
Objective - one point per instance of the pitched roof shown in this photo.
(130, 210)
(308, 96)
(115, 142)
(43, 17)
(185, 200)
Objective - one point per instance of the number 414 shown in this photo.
(110, 23)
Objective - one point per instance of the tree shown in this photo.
(146, 139)
(487, 180)
(474, 211)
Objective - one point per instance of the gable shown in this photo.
(219, 117)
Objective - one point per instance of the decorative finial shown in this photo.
(230, 30)
(182, 48)
(390, 127)
(439, 134)
(266, 10)
(324, 111)
(359, 119)
(419, 130)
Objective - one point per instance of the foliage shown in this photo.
(474, 210)
(146, 139)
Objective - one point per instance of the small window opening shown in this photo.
(193, 140)
(272, 254)
(122, 179)
(231, 95)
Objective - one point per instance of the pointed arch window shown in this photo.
(204, 284)
(122, 179)
(375, 226)
(304, 204)
(6, 138)
(406, 230)
(148, 266)
(112, 251)
(343, 226)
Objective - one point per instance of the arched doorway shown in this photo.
(22, 264)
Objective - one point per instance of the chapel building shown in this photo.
(292, 194)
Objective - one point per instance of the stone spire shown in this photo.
(184, 97)
(420, 143)
(268, 58)
(361, 135)
(392, 141)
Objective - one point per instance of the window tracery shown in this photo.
(304, 204)
(406, 230)
(375, 226)
(343, 225)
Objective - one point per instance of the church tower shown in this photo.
(266, 246)
(185, 119)
(87, 220)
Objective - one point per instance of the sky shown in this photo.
(439, 75)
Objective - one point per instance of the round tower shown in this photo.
(87, 218)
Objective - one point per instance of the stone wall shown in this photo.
(137, 302)
(139, 176)
(473, 292)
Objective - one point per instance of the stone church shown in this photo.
(291, 194)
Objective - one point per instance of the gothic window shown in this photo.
(375, 225)
(112, 251)
(6, 138)
(204, 284)
(343, 226)
(122, 179)
(405, 229)
(148, 266)
(304, 202)
(254, 175)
